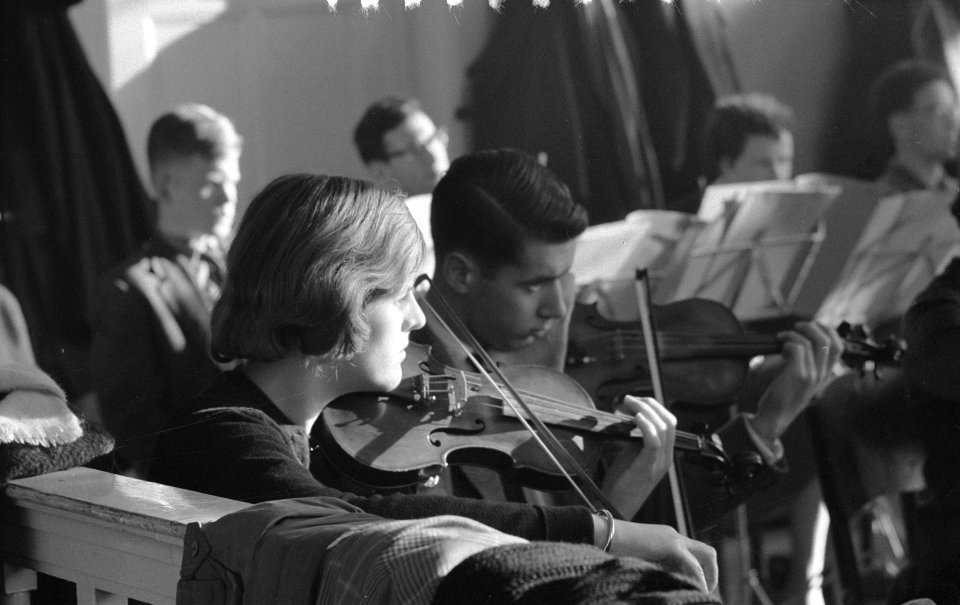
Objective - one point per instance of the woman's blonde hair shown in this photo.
(309, 254)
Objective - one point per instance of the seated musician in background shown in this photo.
(319, 303)
(150, 338)
(747, 138)
(917, 116)
(505, 231)
(400, 146)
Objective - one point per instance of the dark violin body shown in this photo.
(703, 348)
(440, 416)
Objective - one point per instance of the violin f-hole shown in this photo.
(450, 430)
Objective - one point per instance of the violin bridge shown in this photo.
(452, 387)
(459, 391)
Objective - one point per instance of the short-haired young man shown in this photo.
(400, 146)
(747, 138)
(505, 231)
(151, 332)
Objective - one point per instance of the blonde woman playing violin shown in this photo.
(319, 303)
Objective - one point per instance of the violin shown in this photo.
(440, 416)
(704, 352)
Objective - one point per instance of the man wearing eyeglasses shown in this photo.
(401, 146)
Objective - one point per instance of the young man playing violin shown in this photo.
(318, 305)
(505, 231)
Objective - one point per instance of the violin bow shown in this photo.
(653, 361)
(542, 434)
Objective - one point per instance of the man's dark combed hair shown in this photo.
(188, 130)
(735, 118)
(490, 202)
(895, 88)
(381, 117)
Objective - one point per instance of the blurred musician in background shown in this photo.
(151, 333)
(400, 145)
(917, 115)
(402, 148)
(747, 138)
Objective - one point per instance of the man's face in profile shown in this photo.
(764, 158)
(932, 124)
(198, 195)
(416, 155)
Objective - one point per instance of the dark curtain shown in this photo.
(613, 93)
(71, 203)
(683, 66)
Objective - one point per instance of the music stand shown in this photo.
(608, 256)
(844, 221)
(756, 252)
(905, 244)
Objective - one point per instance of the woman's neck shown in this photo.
(294, 387)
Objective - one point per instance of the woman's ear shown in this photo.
(459, 272)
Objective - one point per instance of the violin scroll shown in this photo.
(862, 351)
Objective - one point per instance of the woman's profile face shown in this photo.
(377, 366)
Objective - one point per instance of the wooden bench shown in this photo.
(113, 536)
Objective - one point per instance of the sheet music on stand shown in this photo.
(756, 250)
(845, 221)
(905, 244)
(609, 254)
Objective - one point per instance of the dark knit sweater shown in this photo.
(232, 442)
(932, 331)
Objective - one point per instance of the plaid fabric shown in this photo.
(401, 561)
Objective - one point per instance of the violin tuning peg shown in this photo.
(746, 464)
(844, 329)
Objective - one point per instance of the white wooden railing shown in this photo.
(113, 536)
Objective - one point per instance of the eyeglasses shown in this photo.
(410, 152)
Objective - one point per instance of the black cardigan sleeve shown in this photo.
(243, 454)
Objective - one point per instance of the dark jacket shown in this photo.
(233, 442)
(150, 346)
(931, 363)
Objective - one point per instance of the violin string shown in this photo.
(678, 339)
(537, 429)
(684, 440)
(540, 437)
(563, 408)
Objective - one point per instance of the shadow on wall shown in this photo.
(293, 76)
